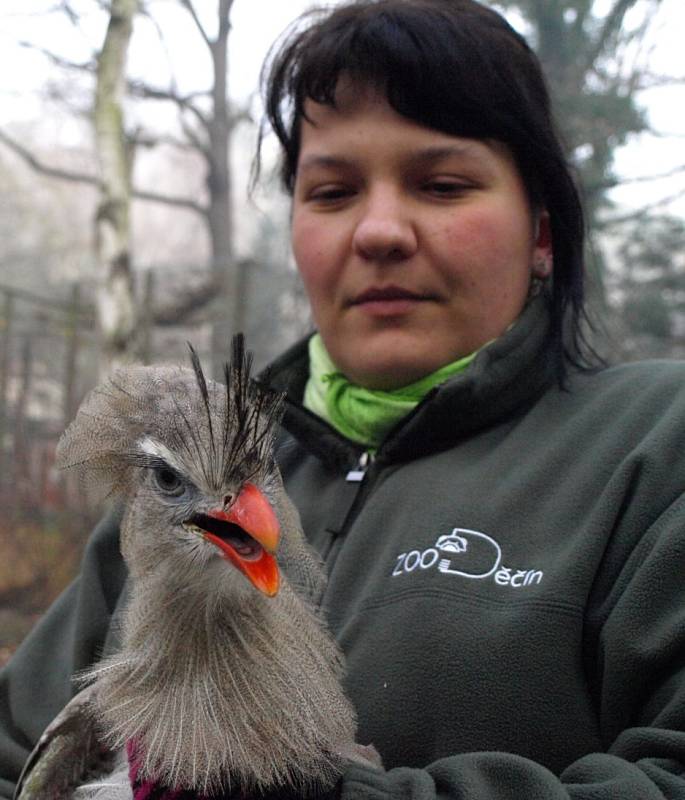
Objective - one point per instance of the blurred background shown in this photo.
(127, 132)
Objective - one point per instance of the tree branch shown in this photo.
(193, 13)
(149, 140)
(190, 299)
(632, 216)
(45, 169)
(135, 88)
(59, 61)
(92, 180)
(194, 140)
(225, 7)
(650, 80)
(611, 184)
(171, 200)
(666, 134)
(65, 7)
(145, 92)
(40, 300)
(612, 23)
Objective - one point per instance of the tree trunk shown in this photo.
(220, 215)
(5, 355)
(116, 306)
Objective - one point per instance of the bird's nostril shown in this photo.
(228, 499)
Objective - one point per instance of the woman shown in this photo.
(502, 525)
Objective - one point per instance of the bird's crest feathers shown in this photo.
(220, 431)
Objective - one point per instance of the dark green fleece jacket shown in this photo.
(506, 580)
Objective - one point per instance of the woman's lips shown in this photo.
(388, 301)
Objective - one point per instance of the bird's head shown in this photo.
(192, 460)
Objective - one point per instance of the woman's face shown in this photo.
(415, 247)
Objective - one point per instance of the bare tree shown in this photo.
(214, 144)
(597, 59)
(116, 304)
(206, 122)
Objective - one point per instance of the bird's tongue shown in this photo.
(252, 554)
(261, 571)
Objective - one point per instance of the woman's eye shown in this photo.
(329, 194)
(445, 188)
(168, 481)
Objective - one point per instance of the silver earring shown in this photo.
(542, 266)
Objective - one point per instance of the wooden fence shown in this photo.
(50, 357)
(47, 355)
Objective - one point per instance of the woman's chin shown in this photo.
(388, 375)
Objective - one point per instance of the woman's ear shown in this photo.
(542, 252)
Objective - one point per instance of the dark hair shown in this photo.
(457, 67)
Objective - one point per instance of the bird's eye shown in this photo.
(168, 481)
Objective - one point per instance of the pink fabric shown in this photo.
(147, 789)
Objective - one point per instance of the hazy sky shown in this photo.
(256, 23)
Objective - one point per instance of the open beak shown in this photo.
(247, 535)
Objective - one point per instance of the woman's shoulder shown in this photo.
(666, 367)
(639, 379)
(641, 394)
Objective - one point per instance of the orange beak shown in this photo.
(252, 513)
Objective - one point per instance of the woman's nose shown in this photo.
(384, 230)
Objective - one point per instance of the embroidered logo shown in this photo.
(467, 554)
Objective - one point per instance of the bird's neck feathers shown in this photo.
(217, 695)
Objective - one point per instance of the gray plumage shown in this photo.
(219, 684)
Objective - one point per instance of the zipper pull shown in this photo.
(357, 475)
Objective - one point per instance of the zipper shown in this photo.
(358, 481)
(357, 474)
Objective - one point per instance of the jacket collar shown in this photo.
(506, 377)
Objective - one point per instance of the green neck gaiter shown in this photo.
(364, 415)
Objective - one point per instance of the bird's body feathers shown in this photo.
(226, 677)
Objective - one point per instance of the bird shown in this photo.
(227, 678)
